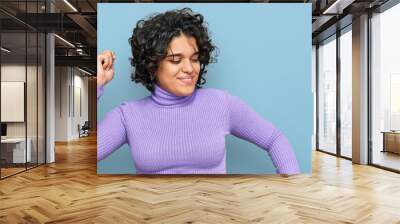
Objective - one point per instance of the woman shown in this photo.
(181, 127)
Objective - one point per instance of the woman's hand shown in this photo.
(105, 67)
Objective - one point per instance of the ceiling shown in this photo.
(76, 22)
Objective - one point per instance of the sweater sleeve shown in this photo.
(100, 90)
(245, 123)
(111, 132)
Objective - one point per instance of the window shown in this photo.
(385, 88)
(346, 92)
(327, 95)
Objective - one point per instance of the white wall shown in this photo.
(16, 72)
(12, 100)
(61, 103)
(71, 94)
(80, 100)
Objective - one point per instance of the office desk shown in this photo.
(16, 148)
(391, 141)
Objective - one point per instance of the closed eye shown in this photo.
(175, 61)
(196, 59)
(177, 58)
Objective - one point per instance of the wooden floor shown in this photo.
(388, 159)
(10, 171)
(5, 172)
(70, 191)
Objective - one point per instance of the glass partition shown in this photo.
(385, 90)
(22, 67)
(14, 154)
(327, 95)
(346, 93)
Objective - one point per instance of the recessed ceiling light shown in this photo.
(70, 5)
(5, 50)
(337, 7)
(84, 71)
(64, 40)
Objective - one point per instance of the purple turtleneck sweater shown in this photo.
(170, 134)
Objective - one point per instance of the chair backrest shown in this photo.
(86, 125)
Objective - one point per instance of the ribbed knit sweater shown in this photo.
(170, 134)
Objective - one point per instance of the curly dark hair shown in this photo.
(151, 38)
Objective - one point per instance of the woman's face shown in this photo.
(179, 71)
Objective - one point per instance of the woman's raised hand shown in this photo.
(105, 67)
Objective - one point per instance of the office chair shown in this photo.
(84, 130)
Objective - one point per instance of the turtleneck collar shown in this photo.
(167, 99)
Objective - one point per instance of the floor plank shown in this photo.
(70, 191)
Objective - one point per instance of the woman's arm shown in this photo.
(245, 123)
(100, 90)
(111, 133)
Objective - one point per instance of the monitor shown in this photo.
(3, 129)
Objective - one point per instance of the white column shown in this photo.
(50, 110)
(360, 90)
(314, 92)
(50, 93)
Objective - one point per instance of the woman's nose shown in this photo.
(187, 66)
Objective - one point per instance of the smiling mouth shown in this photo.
(187, 80)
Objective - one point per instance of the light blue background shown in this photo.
(264, 58)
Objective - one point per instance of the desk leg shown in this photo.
(384, 142)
